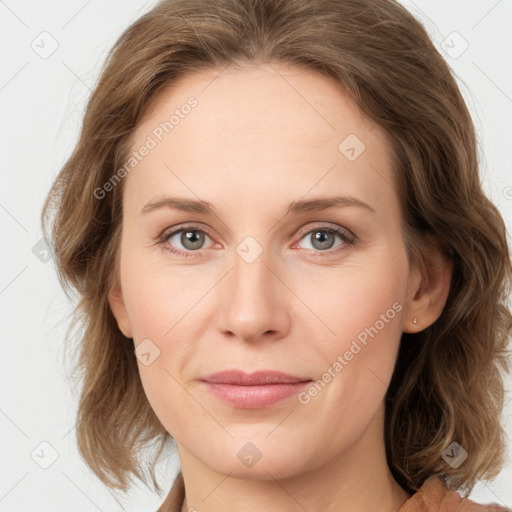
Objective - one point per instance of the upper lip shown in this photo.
(252, 379)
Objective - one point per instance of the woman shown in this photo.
(286, 264)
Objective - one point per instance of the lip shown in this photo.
(256, 390)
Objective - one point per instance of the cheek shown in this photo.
(166, 314)
(355, 361)
(348, 300)
(159, 308)
(161, 300)
(361, 311)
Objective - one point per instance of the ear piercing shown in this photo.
(414, 321)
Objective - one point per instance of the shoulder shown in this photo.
(434, 496)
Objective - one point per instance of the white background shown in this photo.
(42, 102)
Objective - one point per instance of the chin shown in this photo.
(257, 459)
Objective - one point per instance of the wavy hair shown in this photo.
(448, 383)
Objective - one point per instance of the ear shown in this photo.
(428, 291)
(116, 302)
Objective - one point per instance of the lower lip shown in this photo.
(254, 397)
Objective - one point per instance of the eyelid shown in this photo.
(193, 226)
(322, 226)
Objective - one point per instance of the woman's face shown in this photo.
(265, 278)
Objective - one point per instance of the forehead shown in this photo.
(233, 129)
(258, 100)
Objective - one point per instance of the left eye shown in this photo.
(323, 239)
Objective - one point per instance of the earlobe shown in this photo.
(118, 308)
(429, 293)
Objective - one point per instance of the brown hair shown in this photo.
(448, 381)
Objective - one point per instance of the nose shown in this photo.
(254, 301)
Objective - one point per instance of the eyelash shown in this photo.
(347, 237)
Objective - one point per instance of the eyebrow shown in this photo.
(303, 205)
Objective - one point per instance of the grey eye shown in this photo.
(192, 239)
(322, 239)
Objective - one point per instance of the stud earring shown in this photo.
(414, 321)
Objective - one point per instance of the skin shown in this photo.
(260, 138)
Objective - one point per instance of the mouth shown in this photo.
(256, 390)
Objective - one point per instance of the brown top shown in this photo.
(432, 497)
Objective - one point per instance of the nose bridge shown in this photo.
(251, 275)
(251, 303)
